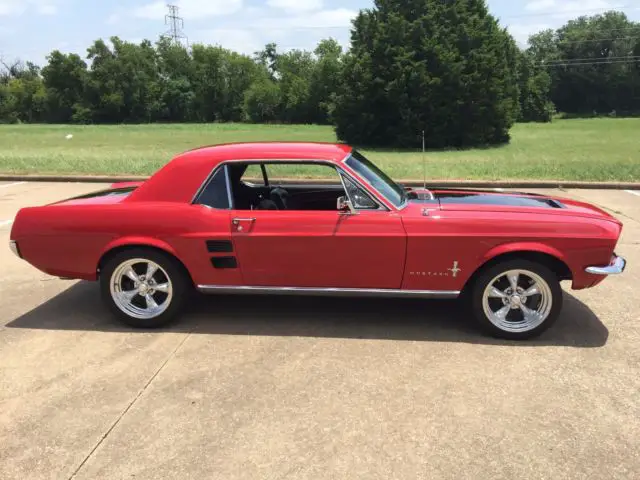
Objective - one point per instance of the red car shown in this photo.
(231, 219)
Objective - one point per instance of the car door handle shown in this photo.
(236, 221)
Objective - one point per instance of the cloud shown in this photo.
(296, 5)
(561, 7)
(522, 31)
(238, 40)
(113, 19)
(19, 7)
(302, 30)
(189, 9)
(322, 19)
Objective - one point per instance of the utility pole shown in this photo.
(176, 24)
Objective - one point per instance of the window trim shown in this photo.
(338, 166)
(380, 196)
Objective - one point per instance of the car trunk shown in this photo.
(108, 196)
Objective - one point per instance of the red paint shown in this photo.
(387, 250)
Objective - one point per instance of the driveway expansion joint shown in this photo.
(131, 404)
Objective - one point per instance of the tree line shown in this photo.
(446, 68)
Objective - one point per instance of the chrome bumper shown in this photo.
(13, 246)
(616, 268)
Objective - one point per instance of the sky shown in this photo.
(30, 29)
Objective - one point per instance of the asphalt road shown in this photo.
(310, 388)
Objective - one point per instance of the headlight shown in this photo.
(13, 245)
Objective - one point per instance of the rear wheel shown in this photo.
(516, 299)
(144, 288)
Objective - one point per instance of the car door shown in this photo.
(319, 248)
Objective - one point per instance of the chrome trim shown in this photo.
(336, 165)
(342, 292)
(388, 203)
(228, 182)
(13, 246)
(616, 268)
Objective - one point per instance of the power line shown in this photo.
(591, 62)
(574, 12)
(597, 60)
(597, 40)
(176, 24)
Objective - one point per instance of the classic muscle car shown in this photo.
(233, 219)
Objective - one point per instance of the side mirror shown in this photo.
(345, 205)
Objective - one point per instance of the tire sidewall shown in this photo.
(172, 268)
(480, 284)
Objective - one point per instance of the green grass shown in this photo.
(590, 149)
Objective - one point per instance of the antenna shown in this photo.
(176, 24)
(424, 161)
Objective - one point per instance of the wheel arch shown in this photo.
(538, 253)
(125, 244)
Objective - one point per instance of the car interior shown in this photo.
(253, 188)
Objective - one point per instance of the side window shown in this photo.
(286, 189)
(215, 193)
(253, 175)
(279, 173)
(359, 197)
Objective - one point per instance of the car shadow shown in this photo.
(79, 308)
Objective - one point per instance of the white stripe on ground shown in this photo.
(12, 184)
(499, 189)
(633, 192)
(6, 222)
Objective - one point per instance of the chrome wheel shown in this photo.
(141, 288)
(517, 301)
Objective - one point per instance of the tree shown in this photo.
(593, 64)
(262, 101)
(446, 68)
(325, 80)
(295, 69)
(534, 85)
(22, 94)
(65, 80)
(121, 80)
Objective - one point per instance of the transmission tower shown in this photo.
(176, 24)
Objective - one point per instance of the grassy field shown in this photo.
(593, 149)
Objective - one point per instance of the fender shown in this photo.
(138, 241)
(523, 247)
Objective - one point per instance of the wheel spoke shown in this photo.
(513, 280)
(152, 268)
(129, 294)
(530, 316)
(132, 275)
(496, 293)
(151, 303)
(532, 290)
(502, 313)
(163, 287)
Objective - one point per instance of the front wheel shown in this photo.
(516, 299)
(144, 288)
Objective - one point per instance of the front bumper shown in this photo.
(13, 246)
(616, 267)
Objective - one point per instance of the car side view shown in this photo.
(233, 219)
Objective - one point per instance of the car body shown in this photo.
(361, 234)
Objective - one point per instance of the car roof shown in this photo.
(178, 180)
(285, 151)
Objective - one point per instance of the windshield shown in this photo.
(377, 178)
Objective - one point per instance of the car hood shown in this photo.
(498, 201)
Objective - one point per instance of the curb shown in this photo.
(411, 183)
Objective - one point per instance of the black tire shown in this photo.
(169, 267)
(481, 283)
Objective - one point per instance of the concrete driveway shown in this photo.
(310, 388)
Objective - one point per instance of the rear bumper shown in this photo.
(616, 267)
